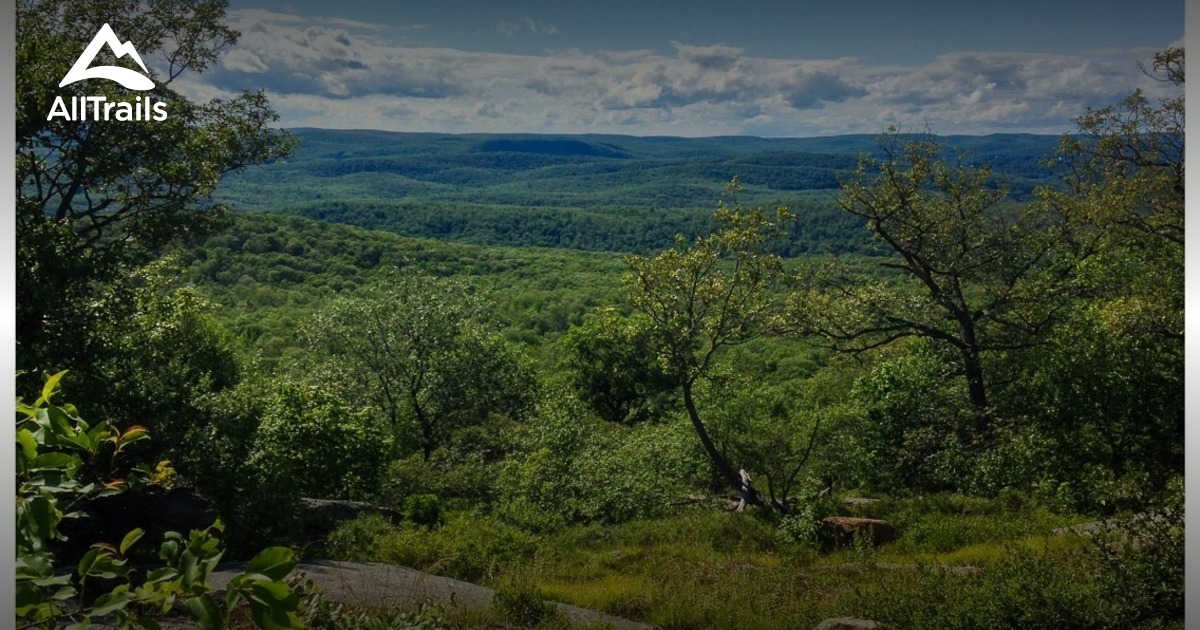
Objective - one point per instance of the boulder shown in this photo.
(842, 529)
(319, 517)
(155, 510)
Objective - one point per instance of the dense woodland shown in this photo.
(557, 358)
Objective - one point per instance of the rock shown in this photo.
(155, 510)
(846, 623)
(321, 516)
(843, 528)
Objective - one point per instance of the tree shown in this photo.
(1125, 165)
(968, 270)
(1110, 383)
(97, 196)
(1123, 198)
(706, 295)
(614, 369)
(419, 347)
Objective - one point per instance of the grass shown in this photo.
(705, 569)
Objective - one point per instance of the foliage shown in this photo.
(257, 496)
(802, 525)
(520, 604)
(788, 433)
(593, 193)
(705, 295)
(914, 424)
(614, 369)
(1125, 166)
(975, 274)
(95, 196)
(568, 467)
(328, 448)
(418, 347)
(423, 509)
(466, 547)
(54, 447)
(161, 359)
(1131, 579)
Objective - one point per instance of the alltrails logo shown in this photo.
(84, 108)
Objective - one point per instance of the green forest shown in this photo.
(928, 381)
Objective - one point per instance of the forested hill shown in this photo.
(590, 192)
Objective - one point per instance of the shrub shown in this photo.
(423, 509)
(54, 447)
(466, 546)
(802, 527)
(330, 449)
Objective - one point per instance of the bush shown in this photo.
(802, 527)
(423, 509)
(915, 422)
(467, 547)
(56, 452)
(330, 449)
(522, 604)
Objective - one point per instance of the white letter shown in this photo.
(58, 109)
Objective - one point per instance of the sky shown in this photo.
(698, 68)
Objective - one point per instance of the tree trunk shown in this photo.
(973, 370)
(719, 462)
(426, 429)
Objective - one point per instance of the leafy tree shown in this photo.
(1109, 387)
(163, 358)
(970, 271)
(613, 368)
(328, 449)
(1125, 164)
(94, 197)
(706, 295)
(420, 349)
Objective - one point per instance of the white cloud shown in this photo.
(340, 73)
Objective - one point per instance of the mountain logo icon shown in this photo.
(126, 77)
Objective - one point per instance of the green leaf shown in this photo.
(34, 566)
(169, 550)
(109, 603)
(189, 570)
(86, 562)
(28, 444)
(272, 605)
(205, 612)
(57, 460)
(274, 562)
(273, 594)
(60, 422)
(52, 384)
(40, 518)
(130, 539)
(28, 597)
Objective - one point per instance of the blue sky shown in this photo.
(691, 68)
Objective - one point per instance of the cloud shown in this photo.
(526, 25)
(341, 73)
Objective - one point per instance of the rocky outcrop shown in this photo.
(841, 530)
(319, 517)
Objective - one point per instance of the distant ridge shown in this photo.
(588, 191)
